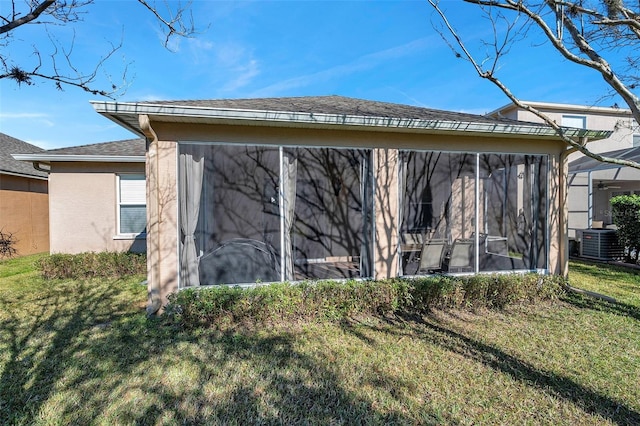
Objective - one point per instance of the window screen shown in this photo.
(132, 209)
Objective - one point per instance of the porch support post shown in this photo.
(476, 222)
(590, 200)
(386, 256)
(563, 212)
(154, 302)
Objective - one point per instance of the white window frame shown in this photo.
(570, 120)
(121, 203)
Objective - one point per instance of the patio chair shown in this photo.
(432, 255)
(411, 238)
(461, 257)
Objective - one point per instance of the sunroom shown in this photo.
(287, 189)
(266, 213)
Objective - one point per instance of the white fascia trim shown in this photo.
(284, 117)
(566, 108)
(24, 175)
(86, 158)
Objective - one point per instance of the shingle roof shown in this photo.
(326, 112)
(335, 105)
(129, 147)
(10, 145)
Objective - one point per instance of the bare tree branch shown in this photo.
(15, 22)
(59, 65)
(174, 25)
(594, 61)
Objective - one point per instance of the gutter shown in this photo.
(118, 111)
(45, 158)
(566, 108)
(25, 175)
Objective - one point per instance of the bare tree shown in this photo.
(56, 63)
(603, 35)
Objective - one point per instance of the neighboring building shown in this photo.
(592, 183)
(97, 196)
(256, 190)
(626, 133)
(24, 210)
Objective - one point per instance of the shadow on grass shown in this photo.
(589, 401)
(83, 355)
(616, 308)
(39, 336)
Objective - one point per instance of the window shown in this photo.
(577, 121)
(132, 205)
(636, 140)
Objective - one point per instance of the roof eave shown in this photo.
(117, 111)
(559, 107)
(48, 158)
(24, 175)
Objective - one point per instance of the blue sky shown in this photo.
(384, 51)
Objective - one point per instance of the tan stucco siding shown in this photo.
(83, 207)
(162, 219)
(386, 209)
(24, 212)
(556, 224)
(257, 135)
(623, 127)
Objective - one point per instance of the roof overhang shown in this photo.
(126, 114)
(587, 164)
(48, 158)
(24, 175)
(566, 108)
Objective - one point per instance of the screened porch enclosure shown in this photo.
(466, 212)
(262, 214)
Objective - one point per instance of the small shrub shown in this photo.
(88, 265)
(625, 210)
(224, 306)
(7, 244)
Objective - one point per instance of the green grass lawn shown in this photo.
(82, 352)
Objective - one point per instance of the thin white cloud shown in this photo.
(47, 144)
(40, 118)
(200, 49)
(362, 63)
(234, 63)
(20, 115)
(244, 75)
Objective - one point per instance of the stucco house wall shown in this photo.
(83, 207)
(83, 203)
(618, 120)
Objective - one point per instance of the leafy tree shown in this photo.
(56, 63)
(626, 217)
(603, 35)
